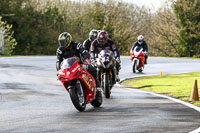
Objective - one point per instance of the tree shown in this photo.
(188, 14)
(164, 32)
(36, 30)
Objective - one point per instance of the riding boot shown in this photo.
(118, 79)
(98, 84)
(145, 61)
(98, 92)
(117, 74)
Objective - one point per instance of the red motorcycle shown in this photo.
(137, 58)
(79, 83)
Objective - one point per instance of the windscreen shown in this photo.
(67, 63)
(106, 53)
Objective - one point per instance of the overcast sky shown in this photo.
(149, 3)
(153, 4)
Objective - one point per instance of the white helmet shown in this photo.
(93, 34)
(140, 39)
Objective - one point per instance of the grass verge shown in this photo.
(175, 85)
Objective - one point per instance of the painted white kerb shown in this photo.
(173, 99)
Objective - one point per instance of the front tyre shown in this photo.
(106, 85)
(134, 66)
(77, 97)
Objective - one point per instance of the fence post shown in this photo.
(2, 41)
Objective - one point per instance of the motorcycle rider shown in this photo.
(103, 42)
(92, 36)
(140, 42)
(69, 48)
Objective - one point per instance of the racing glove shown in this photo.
(93, 61)
(86, 63)
(118, 60)
(145, 53)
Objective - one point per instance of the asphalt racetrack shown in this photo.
(33, 100)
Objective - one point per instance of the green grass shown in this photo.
(176, 85)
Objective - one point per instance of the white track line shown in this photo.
(172, 99)
(160, 95)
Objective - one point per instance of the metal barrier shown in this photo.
(2, 32)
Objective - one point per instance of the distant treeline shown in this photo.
(34, 25)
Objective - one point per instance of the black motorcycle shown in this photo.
(106, 71)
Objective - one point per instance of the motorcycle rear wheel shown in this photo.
(77, 97)
(98, 100)
(141, 69)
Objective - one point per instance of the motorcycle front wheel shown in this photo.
(134, 66)
(106, 85)
(77, 96)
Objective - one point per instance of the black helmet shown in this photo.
(102, 37)
(64, 39)
(93, 34)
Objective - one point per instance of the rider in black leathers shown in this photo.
(92, 36)
(68, 48)
(141, 42)
(103, 42)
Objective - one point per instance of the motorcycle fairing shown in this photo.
(137, 54)
(77, 72)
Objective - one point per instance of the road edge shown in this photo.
(164, 96)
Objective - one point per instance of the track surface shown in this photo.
(32, 100)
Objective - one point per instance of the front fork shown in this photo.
(80, 93)
(100, 74)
